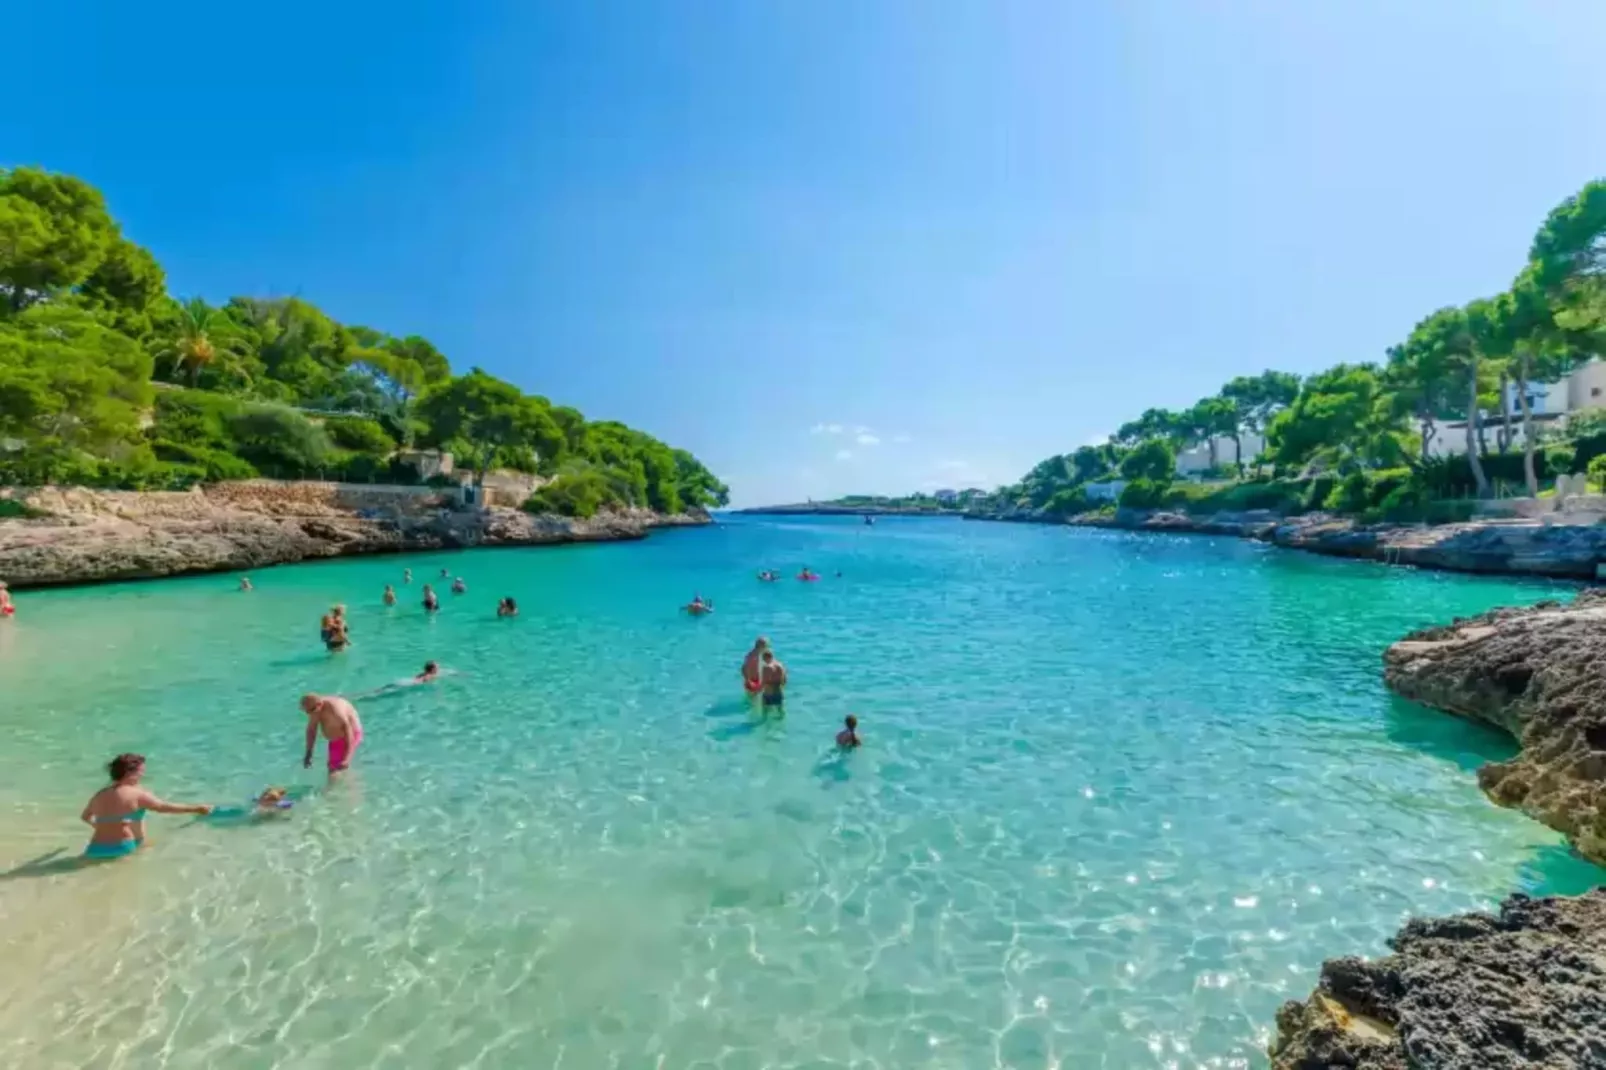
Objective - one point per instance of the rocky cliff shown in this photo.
(1522, 547)
(1540, 674)
(1524, 989)
(84, 536)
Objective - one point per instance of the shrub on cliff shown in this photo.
(1071, 501)
(280, 442)
(1597, 473)
(1351, 495)
(1144, 494)
(216, 464)
(579, 495)
(359, 434)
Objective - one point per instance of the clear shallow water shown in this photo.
(1120, 796)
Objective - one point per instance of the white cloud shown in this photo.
(867, 439)
(861, 430)
(827, 429)
(844, 455)
(953, 466)
(1097, 440)
(901, 438)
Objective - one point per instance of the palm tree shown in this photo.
(201, 337)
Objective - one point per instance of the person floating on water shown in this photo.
(431, 603)
(390, 595)
(7, 607)
(407, 575)
(808, 576)
(507, 608)
(117, 812)
(245, 584)
(772, 677)
(848, 738)
(751, 674)
(459, 587)
(697, 607)
(337, 720)
(769, 575)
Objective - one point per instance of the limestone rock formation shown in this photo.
(1540, 674)
(1524, 989)
(86, 536)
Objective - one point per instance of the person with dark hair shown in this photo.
(848, 738)
(117, 812)
(507, 608)
(772, 680)
(431, 673)
(431, 603)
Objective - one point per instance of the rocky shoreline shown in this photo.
(1525, 988)
(83, 536)
(1512, 547)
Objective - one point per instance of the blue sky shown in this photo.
(832, 246)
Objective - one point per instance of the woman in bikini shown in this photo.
(117, 812)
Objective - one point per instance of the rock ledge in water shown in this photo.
(1540, 674)
(1521, 990)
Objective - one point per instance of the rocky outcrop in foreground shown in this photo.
(1540, 674)
(86, 536)
(1519, 547)
(1524, 989)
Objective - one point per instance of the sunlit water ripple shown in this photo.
(1120, 795)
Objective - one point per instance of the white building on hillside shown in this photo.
(1194, 462)
(1550, 403)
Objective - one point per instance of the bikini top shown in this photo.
(135, 815)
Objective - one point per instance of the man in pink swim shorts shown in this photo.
(338, 721)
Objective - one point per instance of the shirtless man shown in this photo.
(750, 673)
(338, 720)
(772, 675)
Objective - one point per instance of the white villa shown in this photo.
(1194, 462)
(1551, 404)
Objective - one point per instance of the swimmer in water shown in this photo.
(431, 673)
(848, 738)
(807, 575)
(337, 719)
(459, 587)
(390, 595)
(697, 607)
(431, 603)
(335, 635)
(407, 575)
(117, 812)
(751, 676)
(772, 677)
(271, 798)
(7, 609)
(446, 573)
(507, 608)
(245, 584)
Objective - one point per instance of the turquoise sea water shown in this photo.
(1119, 797)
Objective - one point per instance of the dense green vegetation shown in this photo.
(1361, 438)
(106, 380)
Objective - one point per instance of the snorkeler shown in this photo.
(848, 738)
(507, 608)
(117, 812)
(751, 676)
(431, 603)
(772, 677)
(459, 587)
(337, 720)
(390, 595)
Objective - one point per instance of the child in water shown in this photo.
(848, 738)
(507, 608)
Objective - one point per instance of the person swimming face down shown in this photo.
(432, 672)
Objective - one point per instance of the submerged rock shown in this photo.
(1540, 674)
(1524, 989)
